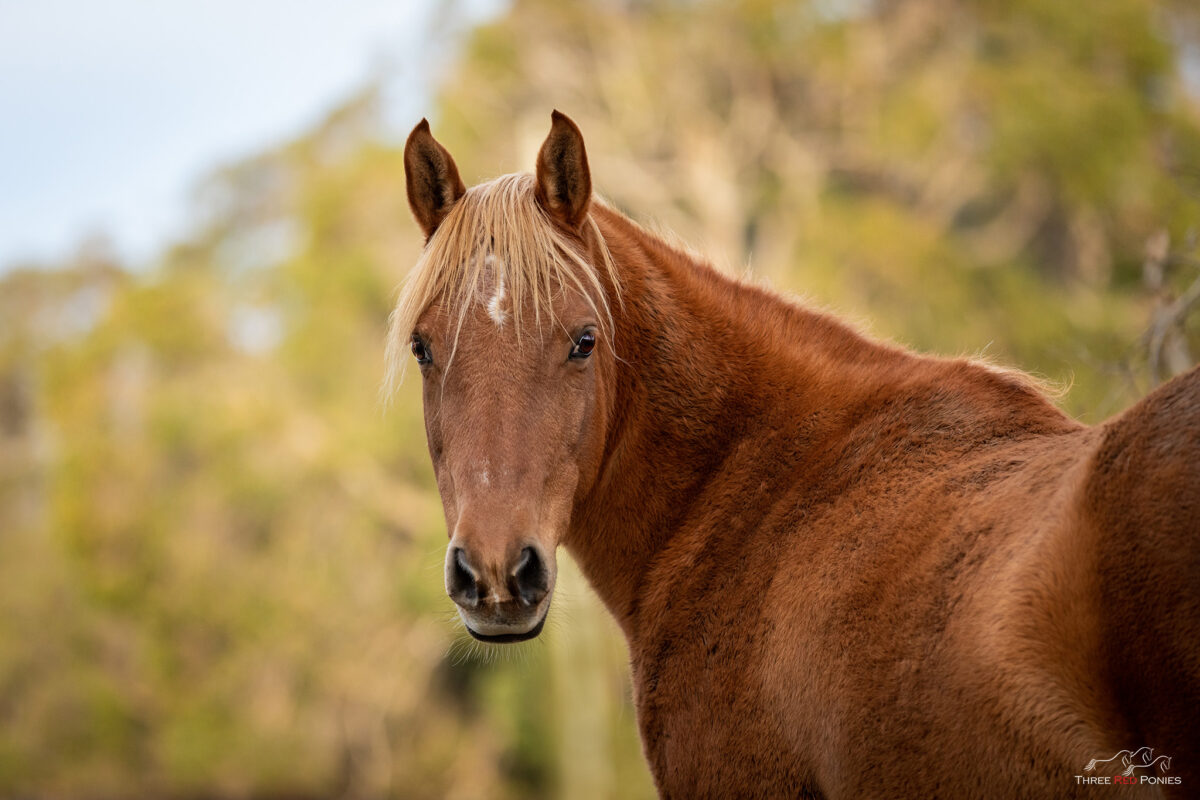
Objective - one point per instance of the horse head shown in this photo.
(505, 315)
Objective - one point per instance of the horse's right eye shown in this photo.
(420, 351)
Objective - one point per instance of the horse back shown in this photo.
(1142, 500)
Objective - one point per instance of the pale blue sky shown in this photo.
(110, 110)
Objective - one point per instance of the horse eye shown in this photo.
(584, 345)
(420, 351)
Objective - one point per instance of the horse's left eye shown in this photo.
(584, 345)
(420, 351)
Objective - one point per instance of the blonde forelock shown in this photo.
(496, 231)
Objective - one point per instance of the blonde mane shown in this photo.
(496, 231)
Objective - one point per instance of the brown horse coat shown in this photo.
(843, 569)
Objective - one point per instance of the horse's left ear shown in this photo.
(564, 184)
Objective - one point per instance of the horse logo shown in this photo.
(1142, 758)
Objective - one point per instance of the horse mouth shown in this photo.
(509, 638)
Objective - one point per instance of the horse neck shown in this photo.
(707, 365)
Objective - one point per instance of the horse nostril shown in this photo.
(462, 586)
(530, 579)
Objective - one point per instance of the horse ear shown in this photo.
(564, 185)
(432, 178)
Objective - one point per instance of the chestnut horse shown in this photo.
(843, 569)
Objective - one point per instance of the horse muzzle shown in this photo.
(501, 602)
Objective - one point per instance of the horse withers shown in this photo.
(843, 569)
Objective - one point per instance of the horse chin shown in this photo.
(508, 638)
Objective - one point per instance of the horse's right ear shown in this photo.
(432, 178)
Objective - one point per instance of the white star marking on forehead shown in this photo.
(494, 311)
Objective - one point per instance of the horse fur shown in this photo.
(843, 569)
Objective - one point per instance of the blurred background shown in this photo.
(220, 556)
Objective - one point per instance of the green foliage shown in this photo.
(221, 557)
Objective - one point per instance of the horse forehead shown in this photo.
(491, 319)
(493, 363)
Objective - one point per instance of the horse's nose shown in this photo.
(529, 579)
(526, 579)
